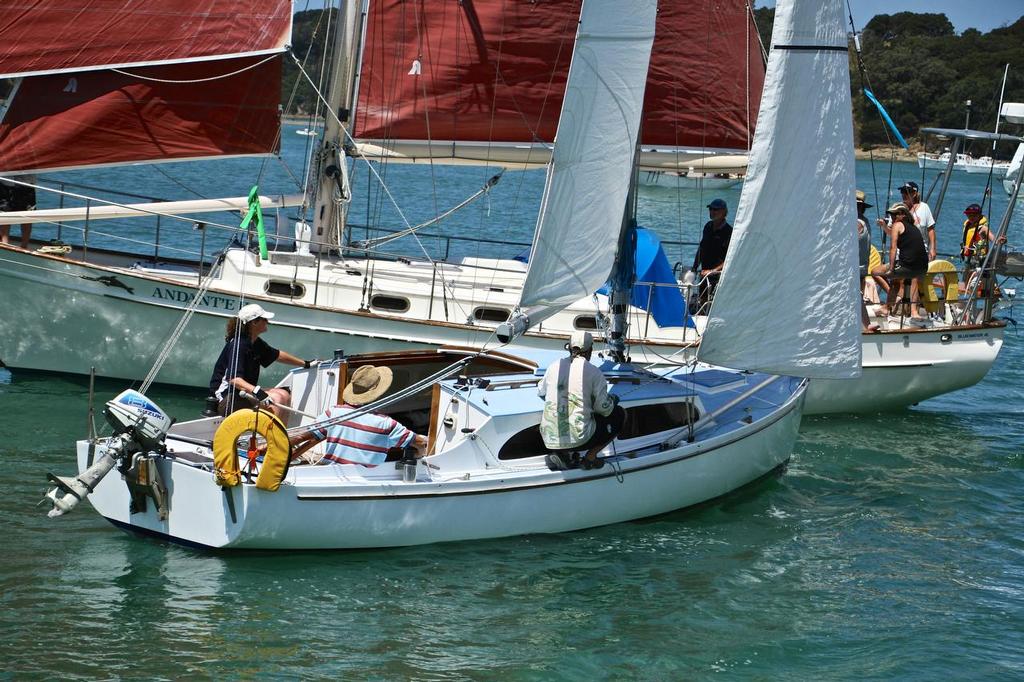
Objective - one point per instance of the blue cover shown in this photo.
(667, 306)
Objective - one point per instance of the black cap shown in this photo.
(909, 185)
(972, 209)
(717, 203)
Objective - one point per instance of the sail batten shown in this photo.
(793, 249)
(588, 178)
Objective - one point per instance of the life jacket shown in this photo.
(973, 244)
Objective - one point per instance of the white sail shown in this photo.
(793, 250)
(588, 178)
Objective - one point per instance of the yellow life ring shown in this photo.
(275, 459)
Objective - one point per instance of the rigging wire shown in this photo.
(866, 85)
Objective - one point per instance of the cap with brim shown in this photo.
(368, 383)
(909, 185)
(898, 207)
(253, 311)
(717, 203)
(973, 209)
(581, 339)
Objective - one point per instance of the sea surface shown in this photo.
(891, 548)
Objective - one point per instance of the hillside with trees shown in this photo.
(923, 72)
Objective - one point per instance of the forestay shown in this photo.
(788, 302)
(588, 178)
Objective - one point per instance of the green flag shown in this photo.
(254, 211)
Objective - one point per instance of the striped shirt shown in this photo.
(362, 440)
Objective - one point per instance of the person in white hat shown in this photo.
(579, 414)
(239, 363)
(364, 439)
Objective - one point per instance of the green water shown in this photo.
(891, 548)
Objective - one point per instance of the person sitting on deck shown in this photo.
(239, 363)
(579, 414)
(864, 256)
(908, 258)
(364, 439)
(17, 198)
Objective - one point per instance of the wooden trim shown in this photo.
(435, 416)
(342, 381)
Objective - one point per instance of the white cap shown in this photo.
(582, 340)
(253, 311)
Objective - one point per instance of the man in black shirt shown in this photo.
(710, 257)
(238, 367)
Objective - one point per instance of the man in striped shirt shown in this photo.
(366, 438)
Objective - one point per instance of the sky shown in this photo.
(983, 15)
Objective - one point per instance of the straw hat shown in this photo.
(862, 199)
(367, 384)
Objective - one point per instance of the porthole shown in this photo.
(585, 322)
(490, 314)
(392, 304)
(290, 289)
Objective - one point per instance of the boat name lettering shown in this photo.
(209, 300)
(974, 335)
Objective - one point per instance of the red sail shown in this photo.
(103, 117)
(44, 36)
(493, 70)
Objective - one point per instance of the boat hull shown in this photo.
(904, 369)
(117, 322)
(325, 512)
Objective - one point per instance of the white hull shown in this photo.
(902, 369)
(964, 163)
(88, 323)
(328, 507)
(687, 181)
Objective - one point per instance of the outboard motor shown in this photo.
(139, 426)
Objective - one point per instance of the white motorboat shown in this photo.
(964, 162)
(306, 132)
(693, 433)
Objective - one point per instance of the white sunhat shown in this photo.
(253, 311)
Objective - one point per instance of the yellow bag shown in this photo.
(275, 459)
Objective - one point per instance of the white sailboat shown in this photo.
(693, 434)
(363, 302)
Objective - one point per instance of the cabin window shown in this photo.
(277, 287)
(393, 304)
(585, 322)
(490, 314)
(644, 420)
(526, 443)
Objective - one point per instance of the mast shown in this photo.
(333, 193)
(623, 274)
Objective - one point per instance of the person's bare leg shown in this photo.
(26, 234)
(5, 234)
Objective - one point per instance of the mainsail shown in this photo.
(483, 80)
(139, 81)
(793, 248)
(589, 175)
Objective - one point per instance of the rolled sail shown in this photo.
(789, 297)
